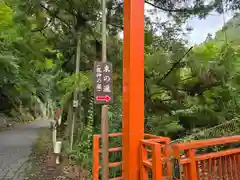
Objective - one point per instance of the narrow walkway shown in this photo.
(15, 148)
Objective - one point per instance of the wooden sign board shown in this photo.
(103, 92)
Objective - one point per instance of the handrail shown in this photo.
(206, 143)
(110, 135)
(155, 141)
(213, 155)
(153, 163)
(97, 151)
(214, 160)
(157, 154)
(158, 151)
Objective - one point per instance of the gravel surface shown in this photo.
(15, 148)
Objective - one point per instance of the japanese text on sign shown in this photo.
(103, 82)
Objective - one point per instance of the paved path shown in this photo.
(15, 148)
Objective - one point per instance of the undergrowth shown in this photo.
(81, 155)
(38, 155)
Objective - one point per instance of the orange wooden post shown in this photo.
(133, 87)
(96, 150)
(157, 171)
(144, 157)
(192, 171)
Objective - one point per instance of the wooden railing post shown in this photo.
(192, 168)
(143, 169)
(168, 162)
(157, 171)
(96, 151)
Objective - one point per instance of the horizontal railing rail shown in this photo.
(96, 155)
(153, 152)
(97, 151)
(223, 164)
(160, 160)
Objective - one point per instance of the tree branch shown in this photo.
(189, 10)
(175, 65)
(111, 24)
(70, 2)
(42, 28)
(43, 35)
(67, 61)
(199, 88)
(116, 25)
(54, 14)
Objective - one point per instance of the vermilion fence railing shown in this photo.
(220, 165)
(153, 153)
(97, 152)
(180, 161)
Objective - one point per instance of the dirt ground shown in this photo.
(43, 162)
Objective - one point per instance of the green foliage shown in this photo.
(200, 91)
(185, 91)
(81, 151)
(67, 85)
(230, 30)
(22, 62)
(5, 17)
